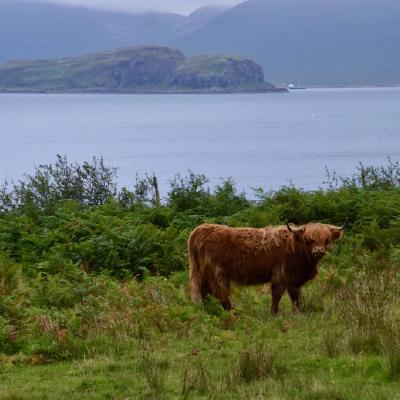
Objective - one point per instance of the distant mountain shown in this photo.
(197, 19)
(38, 30)
(135, 69)
(31, 30)
(316, 42)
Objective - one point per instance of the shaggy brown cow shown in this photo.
(287, 256)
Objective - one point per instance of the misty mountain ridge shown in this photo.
(31, 30)
(315, 42)
(197, 19)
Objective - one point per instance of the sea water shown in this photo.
(259, 140)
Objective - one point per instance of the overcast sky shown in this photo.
(178, 6)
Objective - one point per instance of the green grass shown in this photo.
(207, 64)
(169, 348)
(140, 68)
(94, 294)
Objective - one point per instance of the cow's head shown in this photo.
(316, 238)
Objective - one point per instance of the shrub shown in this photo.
(225, 200)
(370, 177)
(187, 193)
(91, 183)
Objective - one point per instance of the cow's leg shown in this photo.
(277, 290)
(220, 289)
(294, 294)
(205, 290)
(224, 299)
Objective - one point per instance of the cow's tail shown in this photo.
(195, 274)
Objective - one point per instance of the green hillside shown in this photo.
(94, 301)
(135, 69)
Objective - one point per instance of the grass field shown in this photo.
(94, 299)
(157, 345)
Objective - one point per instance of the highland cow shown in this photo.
(286, 256)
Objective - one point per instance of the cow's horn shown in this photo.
(340, 228)
(292, 229)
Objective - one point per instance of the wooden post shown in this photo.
(156, 192)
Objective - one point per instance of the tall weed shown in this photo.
(368, 309)
(152, 371)
(257, 362)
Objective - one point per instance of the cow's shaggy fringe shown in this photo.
(194, 276)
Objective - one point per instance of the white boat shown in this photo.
(295, 86)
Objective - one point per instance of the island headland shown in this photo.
(140, 69)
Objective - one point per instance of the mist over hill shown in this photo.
(334, 42)
(36, 30)
(40, 30)
(197, 19)
(315, 42)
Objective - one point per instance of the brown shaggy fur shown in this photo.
(219, 255)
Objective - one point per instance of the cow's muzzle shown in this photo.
(318, 253)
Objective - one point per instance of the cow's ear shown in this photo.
(336, 233)
(299, 233)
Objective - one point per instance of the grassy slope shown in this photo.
(101, 71)
(207, 64)
(129, 69)
(159, 345)
(70, 329)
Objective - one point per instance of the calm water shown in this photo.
(266, 140)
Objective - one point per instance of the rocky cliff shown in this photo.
(135, 69)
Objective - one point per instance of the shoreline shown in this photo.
(197, 92)
(175, 92)
(355, 87)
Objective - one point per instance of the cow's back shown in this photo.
(245, 255)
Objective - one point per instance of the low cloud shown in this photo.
(138, 6)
